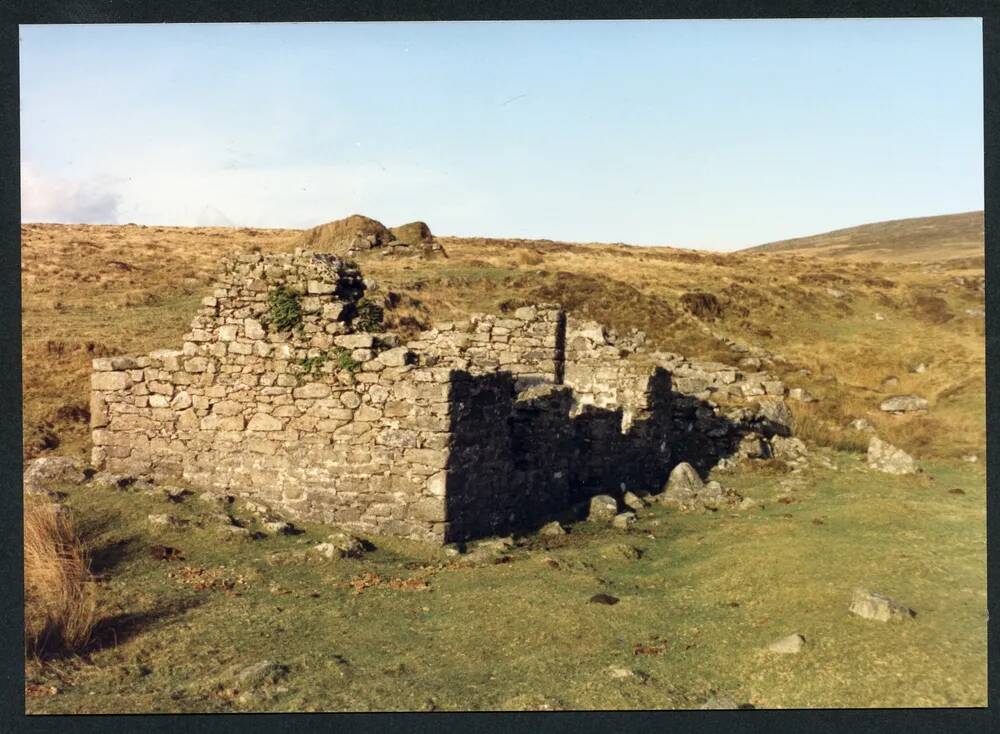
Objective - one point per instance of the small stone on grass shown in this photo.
(788, 645)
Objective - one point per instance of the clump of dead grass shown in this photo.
(931, 309)
(60, 602)
(703, 305)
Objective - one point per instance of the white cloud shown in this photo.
(47, 198)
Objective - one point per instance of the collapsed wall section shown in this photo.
(528, 344)
(623, 410)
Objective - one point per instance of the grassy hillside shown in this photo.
(91, 290)
(408, 627)
(926, 239)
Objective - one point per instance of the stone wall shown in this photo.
(469, 429)
(528, 344)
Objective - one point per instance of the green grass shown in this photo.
(714, 587)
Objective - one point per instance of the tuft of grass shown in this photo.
(368, 316)
(345, 361)
(60, 601)
(703, 305)
(932, 309)
(310, 365)
(284, 308)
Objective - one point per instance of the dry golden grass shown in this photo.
(91, 290)
(947, 237)
(787, 566)
(60, 601)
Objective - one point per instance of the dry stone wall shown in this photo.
(472, 428)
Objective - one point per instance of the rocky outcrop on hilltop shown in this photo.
(358, 235)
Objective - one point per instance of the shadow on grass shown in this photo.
(107, 556)
(113, 631)
(106, 550)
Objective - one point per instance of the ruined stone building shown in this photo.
(470, 429)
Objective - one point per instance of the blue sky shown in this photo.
(711, 134)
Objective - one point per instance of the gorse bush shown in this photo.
(60, 603)
(284, 309)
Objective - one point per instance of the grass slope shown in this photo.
(520, 634)
(90, 290)
(947, 237)
(708, 593)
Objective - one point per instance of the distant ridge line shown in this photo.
(940, 237)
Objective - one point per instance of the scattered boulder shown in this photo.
(637, 676)
(603, 508)
(774, 416)
(624, 520)
(340, 545)
(885, 457)
(862, 424)
(719, 703)
(752, 446)
(889, 383)
(788, 645)
(43, 473)
(790, 449)
(116, 481)
(490, 551)
(872, 605)
(712, 495)
(552, 528)
(621, 551)
(634, 502)
(904, 404)
(620, 673)
(683, 483)
(686, 490)
(279, 527)
(165, 520)
(802, 395)
(327, 550)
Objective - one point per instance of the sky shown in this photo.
(708, 134)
